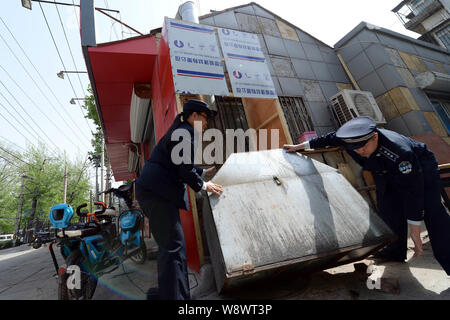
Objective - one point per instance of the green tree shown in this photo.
(89, 106)
(96, 154)
(96, 141)
(45, 185)
(9, 181)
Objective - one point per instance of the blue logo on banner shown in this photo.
(237, 74)
(226, 32)
(179, 43)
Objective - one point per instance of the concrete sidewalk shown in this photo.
(130, 281)
(419, 278)
(28, 274)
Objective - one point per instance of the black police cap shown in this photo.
(194, 105)
(357, 132)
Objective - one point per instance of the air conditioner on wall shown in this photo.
(349, 104)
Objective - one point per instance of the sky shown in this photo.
(37, 44)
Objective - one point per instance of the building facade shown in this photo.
(429, 18)
(379, 60)
(135, 96)
(302, 67)
(388, 64)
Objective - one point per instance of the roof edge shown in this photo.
(365, 25)
(208, 15)
(277, 16)
(401, 4)
(103, 44)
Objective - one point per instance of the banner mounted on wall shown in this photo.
(246, 64)
(196, 59)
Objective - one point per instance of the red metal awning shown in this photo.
(115, 67)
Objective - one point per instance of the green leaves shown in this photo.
(45, 182)
(96, 141)
(89, 106)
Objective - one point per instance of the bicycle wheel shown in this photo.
(87, 283)
(63, 293)
(36, 245)
(141, 255)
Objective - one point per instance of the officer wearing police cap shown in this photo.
(407, 184)
(161, 192)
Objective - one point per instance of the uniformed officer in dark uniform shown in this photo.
(161, 192)
(407, 184)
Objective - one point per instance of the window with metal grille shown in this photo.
(230, 115)
(444, 36)
(417, 6)
(296, 115)
(442, 109)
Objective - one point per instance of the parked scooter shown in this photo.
(40, 238)
(95, 246)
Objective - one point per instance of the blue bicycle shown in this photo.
(97, 245)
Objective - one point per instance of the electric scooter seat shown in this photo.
(71, 233)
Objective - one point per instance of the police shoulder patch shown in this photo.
(405, 167)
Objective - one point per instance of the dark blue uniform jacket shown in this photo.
(165, 179)
(398, 167)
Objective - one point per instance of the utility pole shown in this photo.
(65, 179)
(19, 210)
(96, 182)
(95, 159)
(102, 177)
(90, 200)
(31, 220)
(108, 183)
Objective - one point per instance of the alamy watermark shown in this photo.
(74, 279)
(374, 279)
(220, 146)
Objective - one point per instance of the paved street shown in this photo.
(28, 274)
(419, 279)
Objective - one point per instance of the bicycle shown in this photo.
(96, 245)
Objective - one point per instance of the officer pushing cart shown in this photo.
(407, 183)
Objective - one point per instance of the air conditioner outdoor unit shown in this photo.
(349, 104)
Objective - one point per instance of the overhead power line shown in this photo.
(14, 127)
(9, 161)
(15, 156)
(76, 17)
(14, 144)
(79, 178)
(24, 127)
(42, 79)
(112, 24)
(4, 178)
(62, 62)
(70, 50)
(25, 111)
(62, 132)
